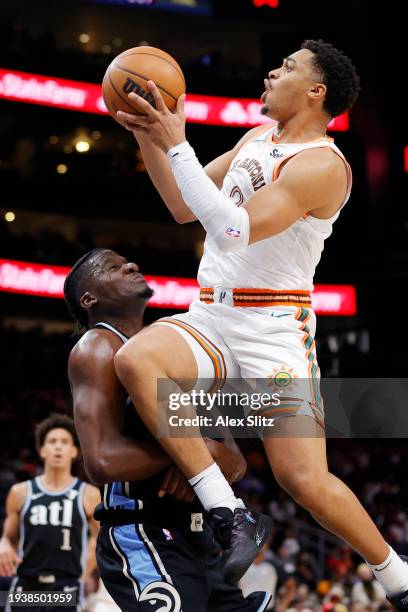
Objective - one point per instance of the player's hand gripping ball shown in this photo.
(130, 71)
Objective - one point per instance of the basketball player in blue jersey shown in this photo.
(268, 206)
(155, 549)
(45, 534)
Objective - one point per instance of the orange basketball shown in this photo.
(130, 71)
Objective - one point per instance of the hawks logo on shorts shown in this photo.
(160, 596)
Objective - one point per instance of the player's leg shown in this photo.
(157, 353)
(300, 466)
(176, 354)
(296, 446)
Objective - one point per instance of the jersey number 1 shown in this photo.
(66, 534)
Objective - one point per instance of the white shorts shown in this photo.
(274, 345)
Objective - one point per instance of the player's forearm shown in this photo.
(127, 460)
(91, 564)
(5, 541)
(162, 178)
(10, 532)
(229, 458)
(226, 223)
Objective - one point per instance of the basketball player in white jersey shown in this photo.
(267, 206)
(45, 535)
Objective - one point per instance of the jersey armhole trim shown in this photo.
(278, 166)
(266, 127)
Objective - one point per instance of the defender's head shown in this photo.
(56, 441)
(103, 284)
(318, 77)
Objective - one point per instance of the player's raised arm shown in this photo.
(314, 179)
(159, 169)
(9, 559)
(99, 402)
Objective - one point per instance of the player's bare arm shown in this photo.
(313, 182)
(159, 169)
(229, 458)
(91, 500)
(9, 559)
(99, 401)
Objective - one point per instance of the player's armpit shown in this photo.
(312, 180)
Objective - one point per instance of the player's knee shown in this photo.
(133, 362)
(304, 486)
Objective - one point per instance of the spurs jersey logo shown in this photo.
(237, 195)
(254, 169)
(51, 514)
(160, 597)
(275, 154)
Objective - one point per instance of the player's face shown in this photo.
(287, 87)
(116, 278)
(58, 450)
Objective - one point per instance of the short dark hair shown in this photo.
(54, 421)
(73, 287)
(338, 74)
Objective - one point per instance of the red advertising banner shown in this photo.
(87, 98)
(169, 292)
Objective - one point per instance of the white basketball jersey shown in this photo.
(287, 260)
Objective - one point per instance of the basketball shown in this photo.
(130, 71)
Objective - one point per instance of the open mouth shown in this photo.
(268, 89)
(137, 277)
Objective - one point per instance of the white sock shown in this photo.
(392, 573)
(213, 490)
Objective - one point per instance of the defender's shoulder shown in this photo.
(96, 346)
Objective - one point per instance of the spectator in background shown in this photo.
(340, 562)
(260, 576)
(282, 508)
(335, 597)
(307, 570)
(366, 590)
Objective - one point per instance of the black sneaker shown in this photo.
(241, 534)
(400, 601)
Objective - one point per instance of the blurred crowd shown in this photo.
(52, 247)
(306, 568)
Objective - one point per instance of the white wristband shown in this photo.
(227, 224)
(183, 147)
